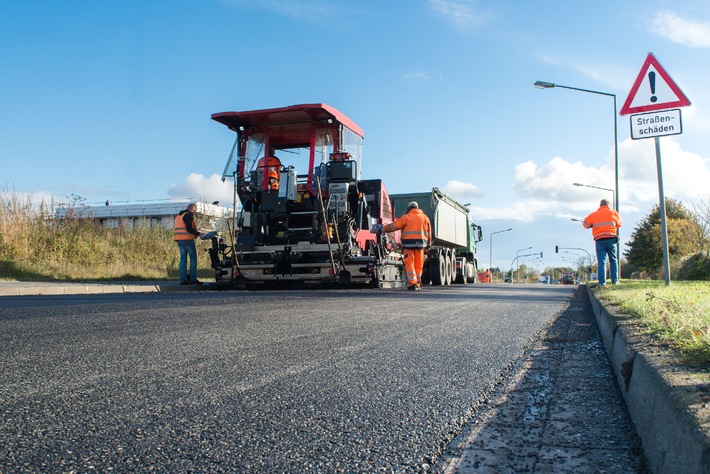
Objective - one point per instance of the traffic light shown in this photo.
(557, 249)
(540, 254)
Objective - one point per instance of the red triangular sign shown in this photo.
(653, 90)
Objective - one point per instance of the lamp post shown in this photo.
(517, 268)
(551, 85)
(490, 253)
(613, 193)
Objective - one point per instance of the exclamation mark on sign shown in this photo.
(652, 81)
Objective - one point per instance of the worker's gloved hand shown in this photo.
(376, 229)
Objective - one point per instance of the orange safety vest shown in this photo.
(180, 228)
(272, 169)
(603, 222)
(415, 227)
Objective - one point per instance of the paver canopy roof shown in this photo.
(289, 126)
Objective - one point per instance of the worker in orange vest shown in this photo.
(185, 233)
(416, 238)
(487, 275)
(604, 222)
(271, 167)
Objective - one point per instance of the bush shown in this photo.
(695, 267)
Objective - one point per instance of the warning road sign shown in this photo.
(653, 90)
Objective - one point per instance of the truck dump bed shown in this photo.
(449, 219)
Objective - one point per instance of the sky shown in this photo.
(112, 101)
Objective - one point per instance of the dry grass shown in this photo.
(679, 314)
(35, 246)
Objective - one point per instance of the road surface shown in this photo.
(270, 381)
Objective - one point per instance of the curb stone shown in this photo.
(665, 402)
(54, 289)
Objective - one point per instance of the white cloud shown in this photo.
(11, 198)
(462, 191)
(668, 24)
(206, 189)
(463, 13)
(685, 174)
(553, 180)
(417, 76)
(547, 190)
(525, 211)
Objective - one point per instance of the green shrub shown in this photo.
(695, 267)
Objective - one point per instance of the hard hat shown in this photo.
(412, 204)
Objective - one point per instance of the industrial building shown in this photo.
(133, 214)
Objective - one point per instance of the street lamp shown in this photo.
(613, 193)
(490, 253)
(517, 268)
(550, 85)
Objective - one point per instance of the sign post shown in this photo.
(653, 93)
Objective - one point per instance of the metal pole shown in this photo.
(616, 191)
(490, 254)
(662, 209)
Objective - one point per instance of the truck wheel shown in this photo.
(452, 266)
(437, 269)
(447, 263)
(471, 273)
(462, 276)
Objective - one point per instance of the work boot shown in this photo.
(412, 288)
(196, 282)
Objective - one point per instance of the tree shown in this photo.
(645, 249)
(700, 208)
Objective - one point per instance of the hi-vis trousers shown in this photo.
(413, 265)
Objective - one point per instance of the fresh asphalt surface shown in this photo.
(272, 381)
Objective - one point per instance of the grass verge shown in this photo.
(35, 246)
(678, 314)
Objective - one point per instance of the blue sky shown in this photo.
(112, 100)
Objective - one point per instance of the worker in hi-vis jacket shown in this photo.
(604, 223)
(416, 238)
(270, 166)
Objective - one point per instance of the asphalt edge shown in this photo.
(56, 289)
(672, 438)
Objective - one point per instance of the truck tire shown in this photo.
(437, 269)
(471, 273)
(447, 256)
(462, 274)
(452, 266)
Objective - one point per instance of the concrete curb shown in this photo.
(659, 402)
(54, 289)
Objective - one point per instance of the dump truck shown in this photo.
(302, 211)
(452, 255)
